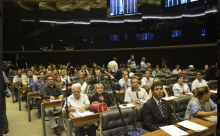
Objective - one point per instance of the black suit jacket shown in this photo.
(106, 96)
(94, 79)
(118, 74)
(152, 116)
(211, 73)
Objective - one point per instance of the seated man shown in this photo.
(17, 79)
(177, 70)
(147, 81)
(119, 73)
(138, 69)
(190, 69)
(125, 82)
(134, 93)
(149, 67)
(97, 78)
(165, 71)
(81, 79)
(156, 72)
(88, 88)
(39, 86)
(156, 111)
(64, 77)
(54, 73)
(48, 74)
(186, 77)
(198, 81)
(52, 92)
(106, 83)
(49, 69)
(80, 102)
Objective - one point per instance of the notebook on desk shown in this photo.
(192, 126)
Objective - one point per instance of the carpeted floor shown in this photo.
(20, 126)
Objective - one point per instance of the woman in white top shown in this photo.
(180, 88)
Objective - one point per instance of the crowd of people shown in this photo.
(90, 84)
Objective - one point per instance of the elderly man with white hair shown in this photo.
(78, 101)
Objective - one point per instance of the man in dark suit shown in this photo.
(87, 87)
(156, 111)
(119, 72)
(97, 78)
(211, 73)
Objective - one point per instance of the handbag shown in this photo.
(132, 132)
(100, 107)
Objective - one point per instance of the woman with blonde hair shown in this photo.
(59, 82)
(164, 90)
(101, 96)
(200, 105)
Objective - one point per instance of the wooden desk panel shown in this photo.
(202, 122)
(120, 94)
(34, 95)
(51, 104)
(167, 81)
(24, 89)
(76, 121)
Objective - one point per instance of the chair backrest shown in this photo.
(189, 74)
(69, 91)
(147, 89)
(111, 123)
(161, 76)
(173, 75)
(179, 107)
(116, 86)
(163, 81)
(171, 90)
(203, 72)
(173, 80)
(138, 74)
(190, 85)
(213, 84)
(192, 78)
(139, 82)
(213, 97)
(139, 120)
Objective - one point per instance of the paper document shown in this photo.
(192, 126)
(213, 91)
(166, 87)
(127, 105)
(169, 98)
(211, 118)
(173, 130)
(189, 93)
(64, 89)
(79, 114)
(56, 100)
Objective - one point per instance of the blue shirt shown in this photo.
(132, 64)
(186, 79)
(154, 73)
(31, 80)
(143, 66)
(188, 71)
(51, 71)
(166, 72)
(38, 86)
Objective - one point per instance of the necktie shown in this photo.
(85, 91)
(160, 108)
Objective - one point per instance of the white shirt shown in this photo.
(64, 78)
(77, 104)
(197, 83)
(131, 95)
(145, 81)
(84, 87)
(157, 101)
(177, 90)
(124, 85)
(16, 79)
(113, 65)
(176, 71)
(131, 74)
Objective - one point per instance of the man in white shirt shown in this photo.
(177, 70)
(134, 93)
(113, 65)
(198, 81)
(64, 77)
(17, 79)
(87, 87)
(78, 102)
(125, 82)
(147, 81)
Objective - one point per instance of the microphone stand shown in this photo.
(114, 93)
(67, 112)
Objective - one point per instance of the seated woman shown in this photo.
(95, 68)
(84, 73)
(101, 96)
(180, 88)
(164, 90)
(110, 72)
(59, 82)
(200, 105)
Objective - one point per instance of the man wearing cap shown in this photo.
(113, 65)
(190, 69)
